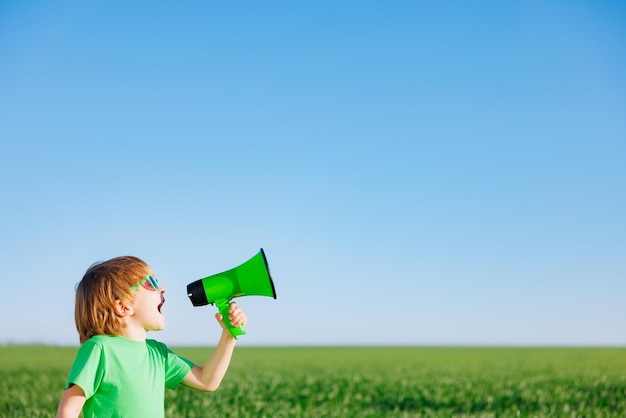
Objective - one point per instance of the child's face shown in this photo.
(147, 306)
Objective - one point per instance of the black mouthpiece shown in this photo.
(196, 293)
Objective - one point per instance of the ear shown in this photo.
(123, 308)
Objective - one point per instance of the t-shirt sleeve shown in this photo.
(176, 368)
(86, 371)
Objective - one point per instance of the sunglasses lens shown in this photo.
(153, 282)
(148, 282)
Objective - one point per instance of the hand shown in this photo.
(236, 316)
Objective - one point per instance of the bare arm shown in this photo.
(210, 375)
(71, 403)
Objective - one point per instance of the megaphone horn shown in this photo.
(251, 278)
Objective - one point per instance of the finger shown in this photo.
(239, 319)
(234, 312)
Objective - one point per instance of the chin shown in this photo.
(159, 326)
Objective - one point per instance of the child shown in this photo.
(117, 371)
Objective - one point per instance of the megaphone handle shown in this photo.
(222, 306)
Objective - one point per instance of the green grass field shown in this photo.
(360, 382)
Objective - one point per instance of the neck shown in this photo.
(133, 332)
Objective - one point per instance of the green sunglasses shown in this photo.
(148, 282)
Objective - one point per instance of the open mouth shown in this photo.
(161, 304)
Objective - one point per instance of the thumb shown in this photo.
(220, 320)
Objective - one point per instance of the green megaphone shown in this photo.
(252, 278)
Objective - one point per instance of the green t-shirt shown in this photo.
(126, 378)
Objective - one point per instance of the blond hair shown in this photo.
(103, 284)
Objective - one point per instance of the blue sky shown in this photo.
(417, 172)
